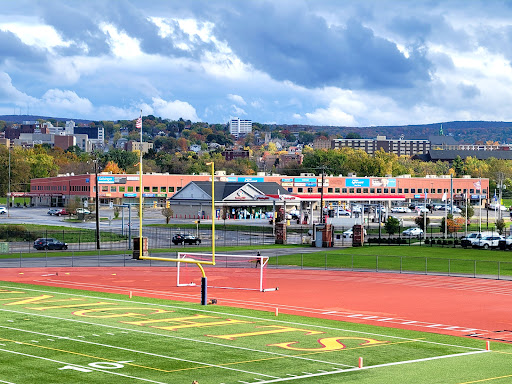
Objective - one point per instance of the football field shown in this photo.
(58, 335)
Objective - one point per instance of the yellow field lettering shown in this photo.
(104, 312)
(269, 329)
(328, 344)
(186, 322)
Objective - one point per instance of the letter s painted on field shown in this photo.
(328, 344)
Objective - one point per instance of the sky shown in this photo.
(321, 62)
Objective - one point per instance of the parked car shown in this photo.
(343, 212)
(486, 242)
(438, 207)
(413, 232)
(3, 210)
(472, 238)
(496, 206)
(508, 242)
(421, 209)
(185, 239)
(295, 214)
(53, 211)
(357, 209)
(349, 233)
(85, 211)
(400, 209)
(49, 243)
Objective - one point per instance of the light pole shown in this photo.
(9, 186)
(97, 205)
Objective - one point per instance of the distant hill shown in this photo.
(21, 118)
(462, 131)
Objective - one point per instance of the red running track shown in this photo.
(449, 305)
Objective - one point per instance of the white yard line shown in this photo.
(247, 317)
(81, 366)
(136, 351)
(369, 367)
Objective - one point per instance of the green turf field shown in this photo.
(52, 335)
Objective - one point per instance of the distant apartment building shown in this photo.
(132, 146)
(96, 135)
(322, 142)
(397, 146)
(239, 127)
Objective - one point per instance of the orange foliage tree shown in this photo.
(112, 167)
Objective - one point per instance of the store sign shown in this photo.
(148, 195)
(129, 195)
(383, 182)
(305, 180)
(287, 184)
(111, 180)
(350, 182)
(286, 180)
(250, 180)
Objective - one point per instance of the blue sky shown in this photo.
(322, 62)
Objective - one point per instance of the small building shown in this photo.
(232, 199)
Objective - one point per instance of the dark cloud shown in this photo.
(78, 25)
(293, 44)
(468, 91)
(12, 48)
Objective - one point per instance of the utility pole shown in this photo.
(97, 205)
(322, 218)
(9, 186)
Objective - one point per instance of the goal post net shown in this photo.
(245, 272)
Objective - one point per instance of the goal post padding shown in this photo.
(249, 274)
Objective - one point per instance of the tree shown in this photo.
(353, 135)
(392, 225)
(168, 213)
(471, 212)
(500, 226)
(112, 167)
(458, 166)
(420, 221)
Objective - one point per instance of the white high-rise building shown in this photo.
(239, 127)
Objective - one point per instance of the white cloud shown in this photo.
(121, 44)
(69, 101)
(174, 109)
(238, 111)
(9, 93)
(330, 116)
(237, 99)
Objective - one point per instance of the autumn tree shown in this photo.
(112, 167)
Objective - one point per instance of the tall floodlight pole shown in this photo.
(139, 125)
(322, 219)
(480, 204)
(97, 204)
(9, 185)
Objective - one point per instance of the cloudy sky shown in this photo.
(322, 62)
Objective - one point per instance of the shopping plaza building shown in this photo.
(253, 192)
